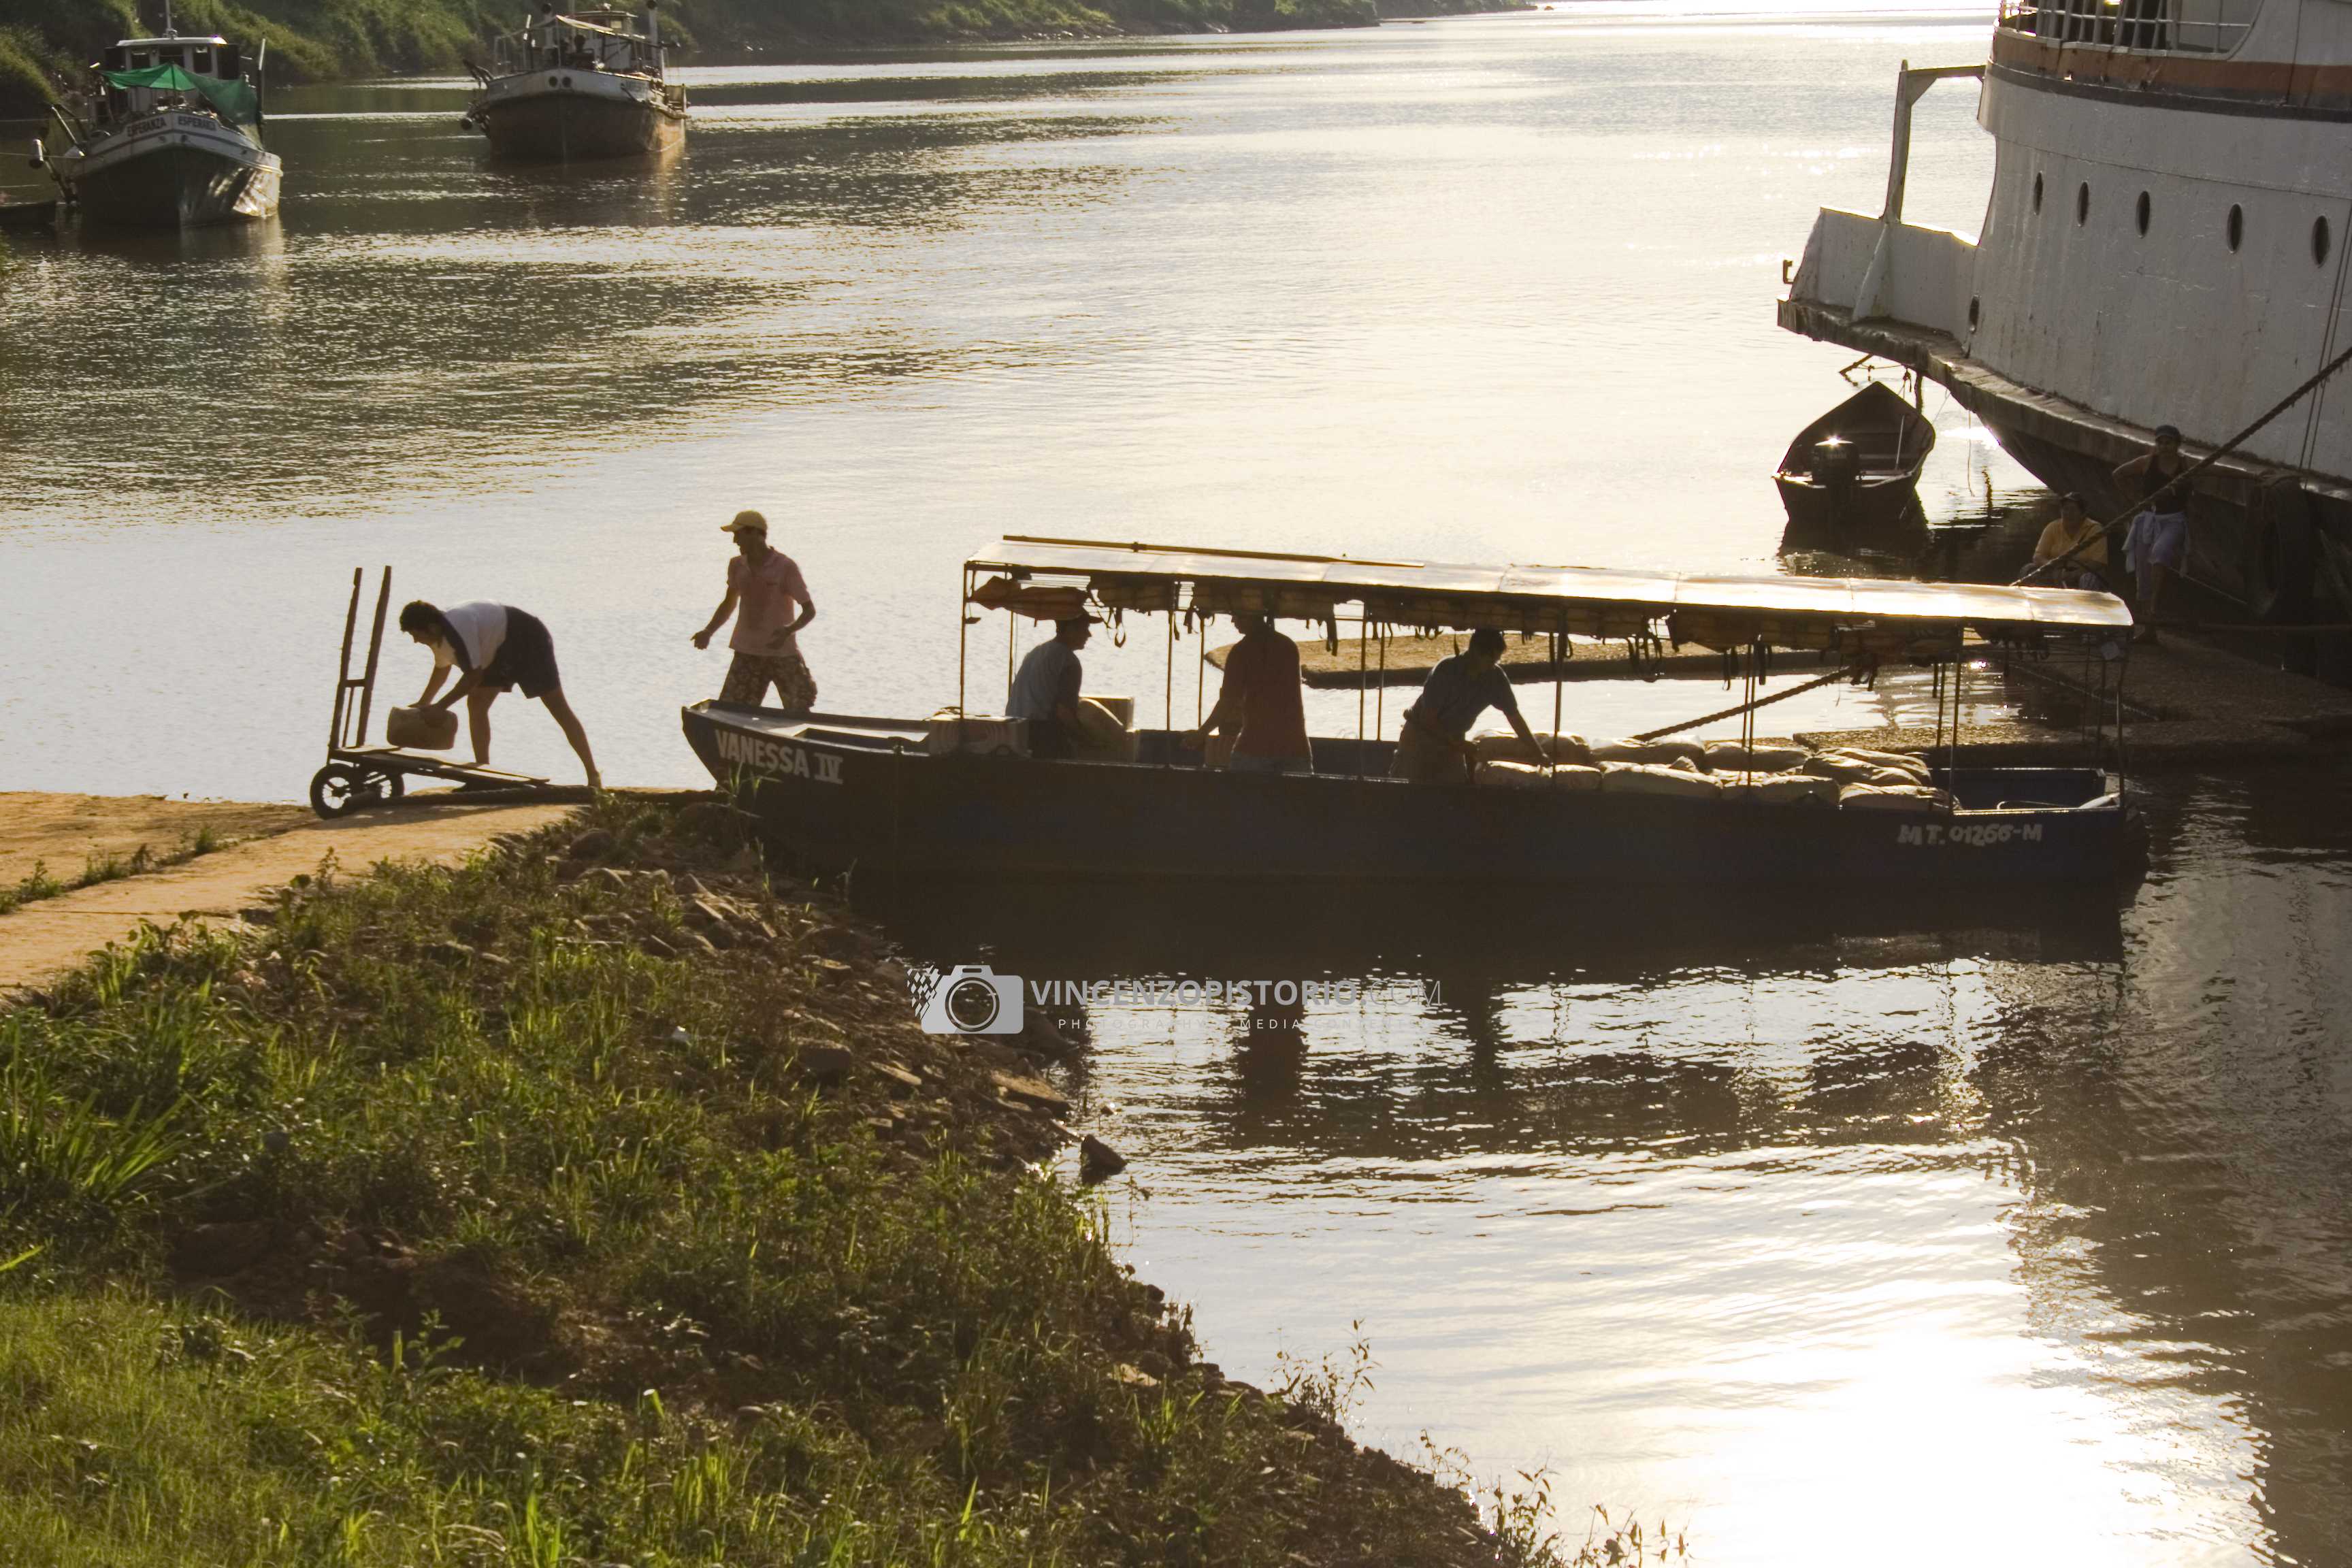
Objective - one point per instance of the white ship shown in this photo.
(167, 134)
(2166, 242)
(565, 88)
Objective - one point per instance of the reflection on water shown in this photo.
(1841, 1233)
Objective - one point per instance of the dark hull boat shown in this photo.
(168, 135)
(579, 88)
(950, 797)
(863, 795)
(1854, 471)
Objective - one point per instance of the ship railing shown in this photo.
(2139, 27)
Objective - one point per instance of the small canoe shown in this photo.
(1854, 471)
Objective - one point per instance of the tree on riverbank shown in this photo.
(323, 39)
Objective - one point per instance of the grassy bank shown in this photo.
(599, 1203)
(312, 40)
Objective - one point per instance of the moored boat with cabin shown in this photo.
(954, 795)
(573, 88)
(168, 134)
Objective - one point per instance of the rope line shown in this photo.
(1852, 669)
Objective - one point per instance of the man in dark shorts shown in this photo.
(1434, 747)
(764, 585)
(493, 648)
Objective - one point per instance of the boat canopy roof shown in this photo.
(175, 41)
(1578, 599)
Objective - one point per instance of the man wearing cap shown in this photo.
(2158, 544)
(1434, 747)
(2074, 538)
(775, 604)
(1046, 688)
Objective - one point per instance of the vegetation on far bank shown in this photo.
(600, 1203)
(312, 40)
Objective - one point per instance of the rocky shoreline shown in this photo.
(639, 1147)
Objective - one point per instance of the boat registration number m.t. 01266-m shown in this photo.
(765, 754)
(1967, 835)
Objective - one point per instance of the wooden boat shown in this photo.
(1856, 471)
(566, 88)
(167, 136)
(919, 798)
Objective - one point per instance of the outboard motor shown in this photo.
(1836, 465)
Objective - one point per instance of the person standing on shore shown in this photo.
(775, 602)
(493, 648)
(2158, 544)
(1261, 702)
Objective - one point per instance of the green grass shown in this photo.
(106, 868)
(484, 1216)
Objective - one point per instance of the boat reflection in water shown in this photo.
(1791, 1218)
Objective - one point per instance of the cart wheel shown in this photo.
(388, 786)
(337, 790)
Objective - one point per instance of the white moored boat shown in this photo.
(569, 88)
(168, 134)
(2165, 242)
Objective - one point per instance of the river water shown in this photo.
(1832, 1235)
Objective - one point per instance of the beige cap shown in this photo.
(743, 520)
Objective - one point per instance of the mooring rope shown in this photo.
(1850, 671)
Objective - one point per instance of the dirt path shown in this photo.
(65, 833)
(45, 938)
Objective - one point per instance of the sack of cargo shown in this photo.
(1894, 797)
(1524, 775)
(1764, 757)
(1780, 789)
(421, 729)
(1833, 765)
(987, 734)
(1656, 753)
(1647, 778)
(1503, 746)
(1100, 737)
(1905, 761)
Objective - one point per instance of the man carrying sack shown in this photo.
(493, 648)
(766, 585)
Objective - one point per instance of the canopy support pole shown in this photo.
(1364, 637)
(1559, 693)
(1168, 699)
(964, 639)
(1380, 688)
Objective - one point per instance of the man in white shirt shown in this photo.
(774, 599)
(493, 648)
(1046, 688)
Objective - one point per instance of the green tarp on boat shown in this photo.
(236, 101)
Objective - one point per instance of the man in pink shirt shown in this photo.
(775, 602)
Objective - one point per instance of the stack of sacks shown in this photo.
(1525, 775)
(1682, 780)
(1654, 753)
(1503, 746)
(1893, 797)
(1888, 768)
(1764, 757)
(1781, 789)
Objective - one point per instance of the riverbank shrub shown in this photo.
(572, 1207)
